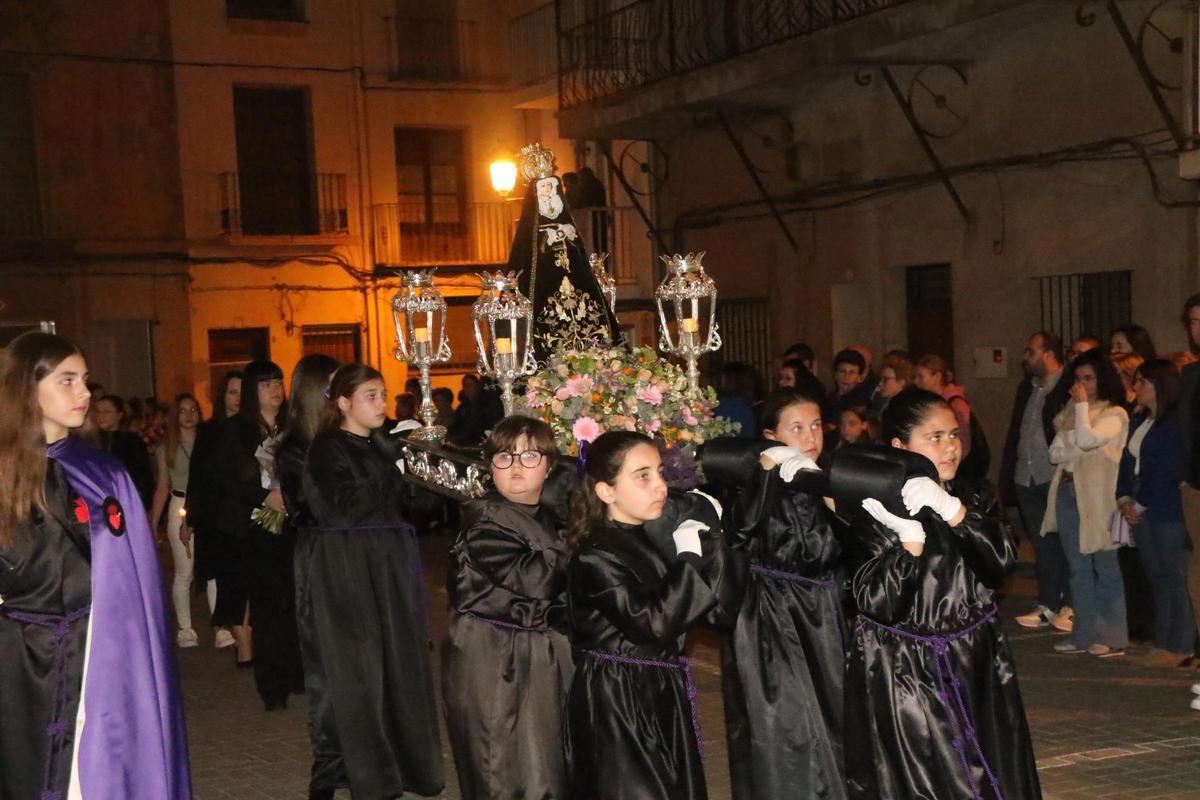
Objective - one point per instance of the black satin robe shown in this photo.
(505, 687)
(782, 665)
(46, 571)
(899, 735)
(629, 732)
(364, 598)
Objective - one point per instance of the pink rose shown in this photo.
(650, 394)
(531, 399)
(654, 425)
(585, 429)
(563, 393)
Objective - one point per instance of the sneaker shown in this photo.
(187, 638)
(224, 639)
(1040, 617)
(1196, 703)
(1066, 646)
(1196, 688)
(1064, 620)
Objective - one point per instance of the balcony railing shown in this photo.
(620, 233)
(533, 47)
(403, 237)
(433, 49)
(327, 215)
(647, 40)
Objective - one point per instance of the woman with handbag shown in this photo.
(1148, 500)
(1090, 437)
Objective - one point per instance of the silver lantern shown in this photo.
(687, 297)
(608, 284)
(419, 311)
(503, 320)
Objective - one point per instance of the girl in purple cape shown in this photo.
(87, 682)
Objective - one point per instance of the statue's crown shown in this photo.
(536, 162)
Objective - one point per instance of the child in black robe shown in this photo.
(506, 661)
(933, 707)
(782, 665)
(632, 729)
(367, 600)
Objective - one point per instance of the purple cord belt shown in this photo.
(828, 584)
(952, 700)
(681, 664)
(500, 623)
(59, 726)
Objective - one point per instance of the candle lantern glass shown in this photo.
(503, 321)
(419, 312)
(687, 302)
(608, 284)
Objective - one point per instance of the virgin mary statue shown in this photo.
(569, 309)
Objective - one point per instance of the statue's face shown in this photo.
(550, 205)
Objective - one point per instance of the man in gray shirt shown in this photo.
(1025, 474)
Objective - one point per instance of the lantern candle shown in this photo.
(503, 346)
(421, 335)
(690, 324)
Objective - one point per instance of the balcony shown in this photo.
(402, 238)
(437, 50)
(648, 40)
(619, 232)
(275, 204)
(533, 47)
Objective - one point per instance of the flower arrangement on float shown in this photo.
(582, 394)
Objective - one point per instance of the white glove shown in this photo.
(921, 492)
(790, 461)
(687, 537)
(909, 530)
(406, 425)
(716, 504)
(400, 466)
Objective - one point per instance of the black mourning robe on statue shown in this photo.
(630, 727)
(782, 665)
(47, 571)
(506, 662)
(570, 311)
(360, 588)
(900, 737)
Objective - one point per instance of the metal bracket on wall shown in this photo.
(1148, 32)
(922, 134)
(752, 171)
(633, 194)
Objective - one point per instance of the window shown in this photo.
(431, 193)
(276, 193)
(278, 10)
(234, 348)
(19, 204)
(1086, 303)
(343, 342)
(745, 328)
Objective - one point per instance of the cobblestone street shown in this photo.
(1108, 728)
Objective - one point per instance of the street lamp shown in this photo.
(503, 320)
(419, 311)
(504, 176)
(690, 296)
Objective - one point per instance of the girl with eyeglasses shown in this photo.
(365, 602)
(506, 662)
(932, 703)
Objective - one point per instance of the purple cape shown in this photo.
(132, 742)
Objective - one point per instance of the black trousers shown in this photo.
(278, 671)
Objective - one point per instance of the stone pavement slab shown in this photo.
(1102, 728)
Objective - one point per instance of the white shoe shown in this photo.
(1040, 617)
(1196, 703)
(1064, 620)
(224, 639)
(187, 638)
(1104, 651)
(1066, 646)
(1196, 688)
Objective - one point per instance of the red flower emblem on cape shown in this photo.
(81, 511)
(114, 516)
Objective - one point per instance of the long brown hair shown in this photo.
(173, 436)
(29, 358)
(601, 463)
(345, 381)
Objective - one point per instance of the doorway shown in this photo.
(930, 308)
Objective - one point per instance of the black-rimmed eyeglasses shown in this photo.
(527, 458)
